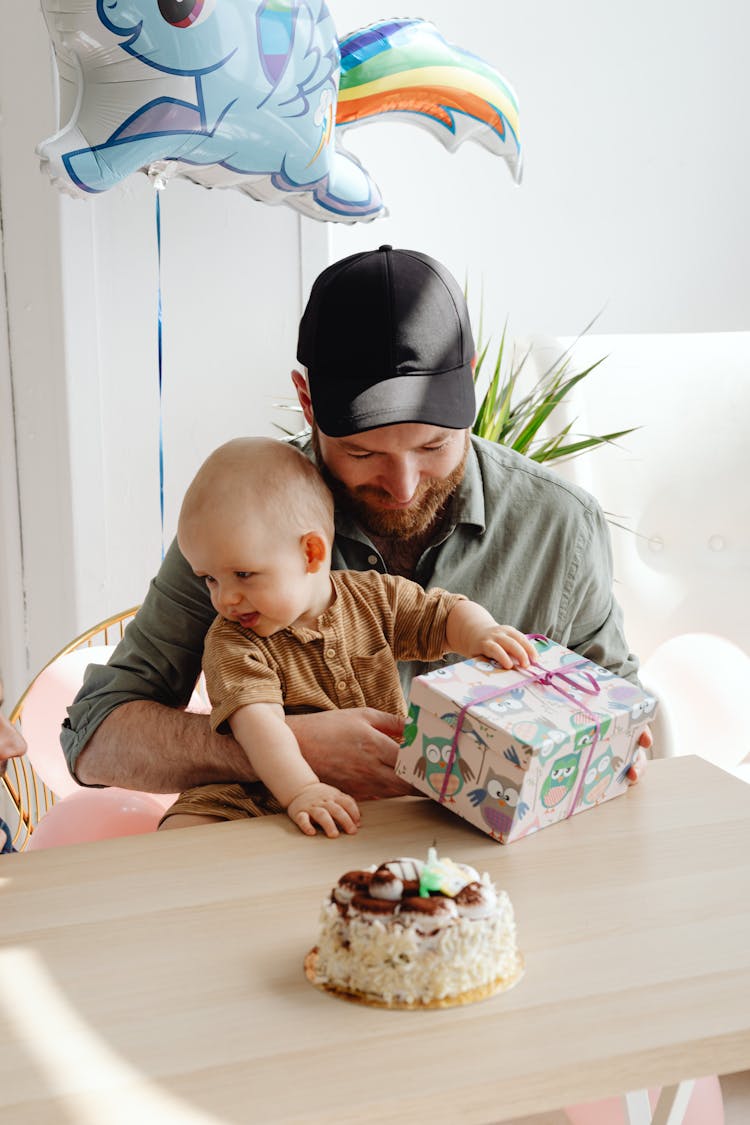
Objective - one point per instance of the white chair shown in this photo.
(678, 488)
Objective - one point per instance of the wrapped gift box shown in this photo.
(514, 751)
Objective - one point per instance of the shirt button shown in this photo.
(372, 559)
(341, 685)
(330, 653)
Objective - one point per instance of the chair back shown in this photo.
(30, 798)
(680, 511)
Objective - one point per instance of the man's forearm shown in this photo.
(144, 745)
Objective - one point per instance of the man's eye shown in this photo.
(360, 456)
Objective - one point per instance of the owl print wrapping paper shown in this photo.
(514, 751)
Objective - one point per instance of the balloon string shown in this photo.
(157, 193)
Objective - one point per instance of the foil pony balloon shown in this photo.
(252, 93)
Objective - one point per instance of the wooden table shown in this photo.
(159, 978)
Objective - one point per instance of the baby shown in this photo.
(294, 636)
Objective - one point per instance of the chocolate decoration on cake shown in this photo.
(433, 912)
(386, 885)
(350, 884)
(429, 907)
(365, 904)
(476, 900)
(408, 870)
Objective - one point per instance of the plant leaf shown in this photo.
(514, 420)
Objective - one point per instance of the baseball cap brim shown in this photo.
(430, 399)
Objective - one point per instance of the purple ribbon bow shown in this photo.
(543, 678)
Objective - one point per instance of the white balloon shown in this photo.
(703, 684)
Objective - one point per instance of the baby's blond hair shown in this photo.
(262, 478)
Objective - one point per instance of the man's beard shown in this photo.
(362, 503)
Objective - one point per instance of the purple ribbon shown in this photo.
(542, 678)
(483, 695)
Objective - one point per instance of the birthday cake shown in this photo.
(410, 934)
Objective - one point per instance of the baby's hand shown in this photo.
(505, 645)
(326, 806)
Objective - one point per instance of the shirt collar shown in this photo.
(468, 500)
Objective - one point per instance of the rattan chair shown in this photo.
(29, 796)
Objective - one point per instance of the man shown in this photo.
(388, 391)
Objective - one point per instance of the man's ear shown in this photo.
(316, 551)
(303, 394)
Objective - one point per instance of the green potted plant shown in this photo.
(516, 419)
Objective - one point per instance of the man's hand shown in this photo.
(12, 744)
(355, 749)
(640, 761)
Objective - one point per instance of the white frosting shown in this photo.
(472, 875)
(406, 868)
(386, 885)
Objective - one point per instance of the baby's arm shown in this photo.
(472, 631)
(274, 753)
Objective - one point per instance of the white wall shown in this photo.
(636, 166)
(636, 176)
(37, 557)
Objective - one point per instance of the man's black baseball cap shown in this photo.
(386, 338)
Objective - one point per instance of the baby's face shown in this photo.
(254, 576)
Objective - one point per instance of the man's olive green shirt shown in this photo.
(530, 547)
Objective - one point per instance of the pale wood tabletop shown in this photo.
(159, 978)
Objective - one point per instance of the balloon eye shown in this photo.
(181, 13)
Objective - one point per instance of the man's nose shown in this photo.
(401, 479)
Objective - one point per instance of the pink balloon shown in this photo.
(44, 710)
(96, 814)
(706, 1107)
(199, 702)
(163, 800)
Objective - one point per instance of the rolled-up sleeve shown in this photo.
(158, 659)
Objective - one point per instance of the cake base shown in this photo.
(470, 997)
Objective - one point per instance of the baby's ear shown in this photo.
(316, 551)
